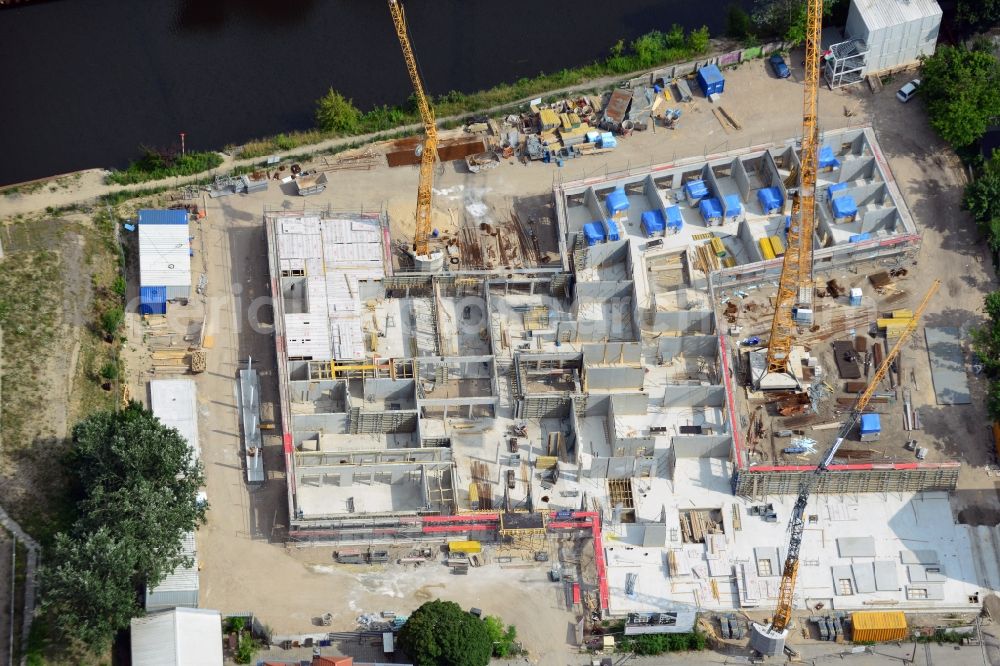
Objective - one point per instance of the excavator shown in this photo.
(423, 258)
(770, 639)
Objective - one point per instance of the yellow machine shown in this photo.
(422, 256)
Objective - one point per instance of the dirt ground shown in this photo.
(244, 563)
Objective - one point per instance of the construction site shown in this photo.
(720, 383)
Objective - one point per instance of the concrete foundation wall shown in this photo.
(629, 403)
(390, 390)
(857, 169)
(321, 423)
(383, 422)
(544, 407)
(741, 179)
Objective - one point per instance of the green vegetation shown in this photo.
(785, 19)
(337, 116)
(119, 197)
(135, 483)
(986, 343)
(440, 633)
(942, 636)
(982, 200)
(157, 164)
(246, 644)
(504, 640)
(961, 88)
(738, 23)
(976, 15)
(653, 644)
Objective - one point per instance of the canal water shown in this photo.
(84, 83)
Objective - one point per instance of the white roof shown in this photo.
(182, 579)
(334, 255)
(879, 14)
(164, 255)
(178, 637)
(175, 403)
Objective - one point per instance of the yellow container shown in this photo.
(902, 314)
(777, 246)
(465, 547)
(766, 249)
(878, 626)
(718, 247)
(474, 495)
(729, 262)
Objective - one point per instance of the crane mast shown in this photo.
(796, 284)
(428, 157)
(770, 640)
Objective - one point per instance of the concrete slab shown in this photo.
(951, 383)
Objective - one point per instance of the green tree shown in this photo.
(961, 89)
(982, 197)
(674, 39)
(649, 49)
(441, 633)
(336, 113)
(738, 23)
(977, 14)
(136, 484)
(112, 320)
(84, 592)
(697, 40)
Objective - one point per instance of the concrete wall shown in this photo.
(741, 179)
(702, 446)
(608, 254)
(597, 405)
(383, 422)
(704, 346)
(857, 169)
(319, 423)
(750, 244)
(684, 321)
(390, 390)
(629, 403)
(694, 396)
(614, 377)
(612, 352)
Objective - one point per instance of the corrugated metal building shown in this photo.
(179, 637)
(175, 403)
(165, 252)
(896, 32)
(180, 588)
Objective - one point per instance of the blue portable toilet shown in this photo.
(613, 231)
(711, 80)
(733, 207)
(871, 427)
(674, 220)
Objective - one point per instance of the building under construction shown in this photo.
(607, 393)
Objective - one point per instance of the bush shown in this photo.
(504, 640)
(738, 24)
(112, 320)
(440, 633)
(110, 371)
(654, 644)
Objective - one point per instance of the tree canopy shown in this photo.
(336, 113)
(977, 14)
(785, 19)
(982, 199)
(136, 485)
(961, 89)
(440, 633)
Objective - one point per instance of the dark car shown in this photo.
(778, 65)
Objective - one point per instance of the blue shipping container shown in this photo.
(711, 80)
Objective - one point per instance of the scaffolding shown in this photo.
(846, 63)
(760, 483)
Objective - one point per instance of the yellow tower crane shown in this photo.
(770, 639)
(795, 288)
(423, 258)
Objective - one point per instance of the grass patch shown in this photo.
(119, 197)
(26, 188)
(156, 165)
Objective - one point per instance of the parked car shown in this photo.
(908, 91)
(779, 66)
